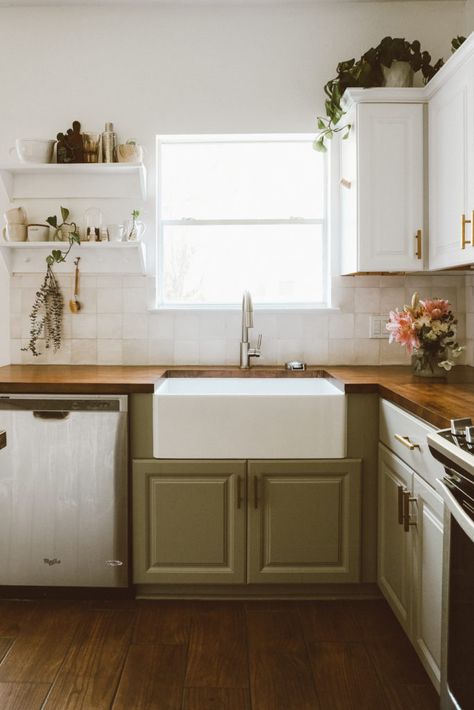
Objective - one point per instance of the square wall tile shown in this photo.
(84, 326)
(341, 326)
(135, 352)
(109, 352)
(134, 300)
(109, 326)
(367, 300)
(83, 352)
(134, 326)
(109, 300)
(161, 351)
(161, 326)
(212, 351)
(186, 352)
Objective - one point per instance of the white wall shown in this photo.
(188, 69)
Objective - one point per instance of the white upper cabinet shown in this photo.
(451, 155)
(381, 187)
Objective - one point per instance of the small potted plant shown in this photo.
(64, 231)
(391, 63)
(427, 329)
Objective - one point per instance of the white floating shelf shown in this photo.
(75, 180)
(96, 257)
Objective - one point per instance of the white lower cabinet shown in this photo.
(230, 522)
(410, 555)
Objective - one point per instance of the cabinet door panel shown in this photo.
(428, 547)
(390, 185)
(394, 548)
(450, 151)
(304, 521)
(188, 524)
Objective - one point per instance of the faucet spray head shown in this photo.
(247, 310)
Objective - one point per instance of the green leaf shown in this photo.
(64, 213)
(319, 145)
(74, 237)
(53, 221)
(50, 260)
(321, 124)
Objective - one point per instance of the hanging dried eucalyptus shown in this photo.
(46, 317)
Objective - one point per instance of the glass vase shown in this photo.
(427, 366)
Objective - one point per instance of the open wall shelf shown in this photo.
(96, 257)
(81, 180)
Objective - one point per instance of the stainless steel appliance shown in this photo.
(63, 491)
(454, 447)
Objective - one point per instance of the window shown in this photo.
(241, 212)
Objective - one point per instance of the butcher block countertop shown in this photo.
(436, 401)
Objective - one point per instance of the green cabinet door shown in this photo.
(304, 521)
(189, 521)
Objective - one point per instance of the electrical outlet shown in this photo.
(377, 327)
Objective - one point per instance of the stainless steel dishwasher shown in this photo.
(63, 491)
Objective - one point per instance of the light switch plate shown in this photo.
(377, 327)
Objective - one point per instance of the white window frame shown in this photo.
(161, 223)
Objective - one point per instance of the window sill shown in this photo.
(296, 309)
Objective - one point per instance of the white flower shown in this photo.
(456, 352)
(446, 365)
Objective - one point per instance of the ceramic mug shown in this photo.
(15, 232)
(116, 232)
(38, 233)
(16, 215)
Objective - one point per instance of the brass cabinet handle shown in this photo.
(407, 499)
(255, 492)
(405, 440)
(401, 491)
(418, 250)
(465, 221)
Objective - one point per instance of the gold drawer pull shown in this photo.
(407, 499)
(418, 250)
(405, 440)
(465, 221)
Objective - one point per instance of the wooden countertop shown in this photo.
(433, 400)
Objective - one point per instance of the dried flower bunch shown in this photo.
(427, 329)
(46, 317)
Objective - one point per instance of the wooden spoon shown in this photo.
(74, 303)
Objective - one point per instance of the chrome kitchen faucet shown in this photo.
(246, 352)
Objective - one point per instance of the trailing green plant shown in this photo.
(46, 317)
(366, 73)
(456, 42)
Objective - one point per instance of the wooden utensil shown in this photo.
(74, 303)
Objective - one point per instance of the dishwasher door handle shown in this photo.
(42, 414)
(3, 439)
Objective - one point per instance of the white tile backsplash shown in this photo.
(115, 326)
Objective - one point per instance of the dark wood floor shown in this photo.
(172, 655)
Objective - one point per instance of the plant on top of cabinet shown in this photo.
(391, 63)
(46, 317)
(456, 42)
(427, 329)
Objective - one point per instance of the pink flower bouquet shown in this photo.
(427, 329)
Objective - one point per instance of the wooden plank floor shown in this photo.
(216, 655)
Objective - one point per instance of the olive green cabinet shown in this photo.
(304, 521)
(259, 522)
(189, 521)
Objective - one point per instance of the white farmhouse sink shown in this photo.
(201, 417)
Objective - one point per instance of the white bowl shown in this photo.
(34, 150)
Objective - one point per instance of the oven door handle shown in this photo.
(455, 508)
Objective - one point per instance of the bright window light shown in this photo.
(241, 212)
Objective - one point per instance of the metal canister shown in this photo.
(109, 144)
